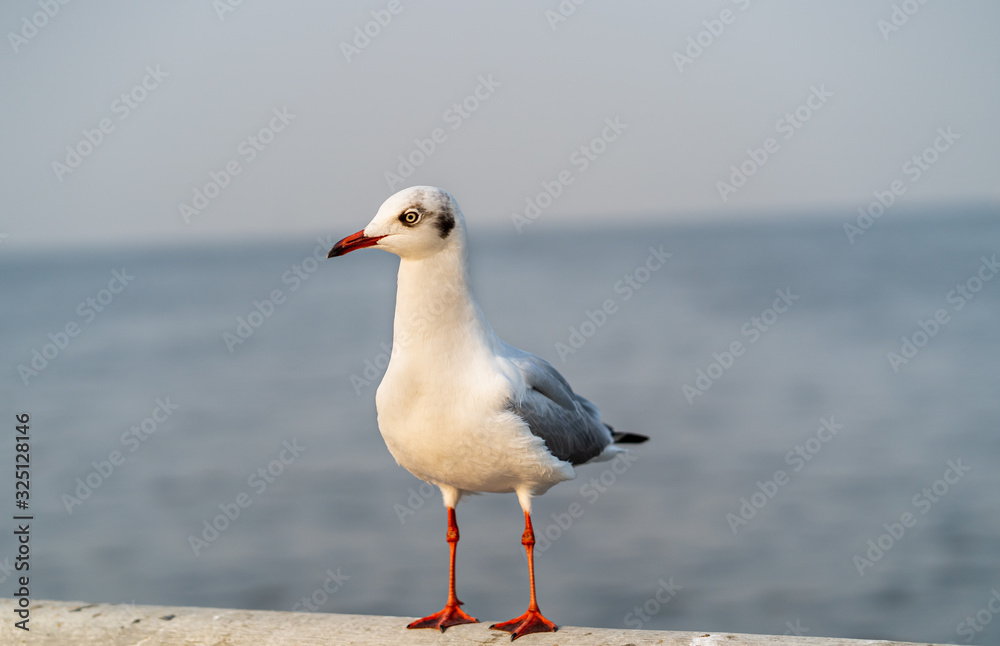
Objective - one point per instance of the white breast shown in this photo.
(448, 423)
(442, 405)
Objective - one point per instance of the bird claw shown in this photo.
(451, 615)
(531, 621)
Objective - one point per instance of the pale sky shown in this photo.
(500, 96)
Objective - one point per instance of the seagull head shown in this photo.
(414, 223)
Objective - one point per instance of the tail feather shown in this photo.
(626, 438)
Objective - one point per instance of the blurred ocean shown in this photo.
(700, 510)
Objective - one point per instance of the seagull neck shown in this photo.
(433, 300)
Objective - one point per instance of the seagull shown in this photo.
(458, 407)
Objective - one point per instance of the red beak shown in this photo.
(354, 241)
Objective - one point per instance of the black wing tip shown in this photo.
(628, 438)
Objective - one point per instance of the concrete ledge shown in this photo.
(66, 623)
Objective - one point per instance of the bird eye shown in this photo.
(410, 218)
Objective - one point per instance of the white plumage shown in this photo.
(458, 407)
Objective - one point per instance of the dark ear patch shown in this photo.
(445, 223)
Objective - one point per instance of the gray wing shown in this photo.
(570, 425)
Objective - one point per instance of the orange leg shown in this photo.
(451, 615)
(531, 621)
